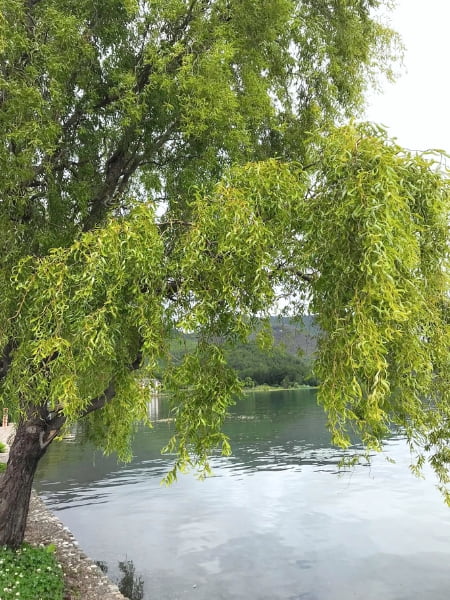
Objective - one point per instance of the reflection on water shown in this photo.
(130, 584)
(276, 521)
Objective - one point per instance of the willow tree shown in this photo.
(174, 164)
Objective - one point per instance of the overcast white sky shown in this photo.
(416, 108)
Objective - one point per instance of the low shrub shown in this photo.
(30, 573)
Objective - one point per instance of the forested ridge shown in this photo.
(288, 362)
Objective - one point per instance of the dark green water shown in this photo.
(276, 521)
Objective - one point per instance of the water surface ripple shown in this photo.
(277, 520)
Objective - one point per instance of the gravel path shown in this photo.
(83, 578)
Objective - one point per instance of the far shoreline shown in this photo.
(270, 388)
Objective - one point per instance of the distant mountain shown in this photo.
(288, 363)
(292, 335)
(295, 335)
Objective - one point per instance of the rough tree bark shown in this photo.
(27, 449)
(33, 436)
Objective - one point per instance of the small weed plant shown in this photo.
(2, 447)
(30, 573)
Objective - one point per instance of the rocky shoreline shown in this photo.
(83, 578)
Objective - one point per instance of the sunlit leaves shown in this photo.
(381, 290)
(226, 259)
(224, 111)
(203, 388)
(87, 311)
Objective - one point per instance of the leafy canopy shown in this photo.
(176, 164)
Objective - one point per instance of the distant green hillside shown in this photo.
(288, 363)
(295, 336)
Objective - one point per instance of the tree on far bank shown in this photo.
(176, 163)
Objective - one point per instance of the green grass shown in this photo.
(3, 448)
(30, 573)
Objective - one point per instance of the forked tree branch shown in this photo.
(109, 392)
(55, 419)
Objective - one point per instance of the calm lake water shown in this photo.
(276, 521)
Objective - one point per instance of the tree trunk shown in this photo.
(15, 485)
